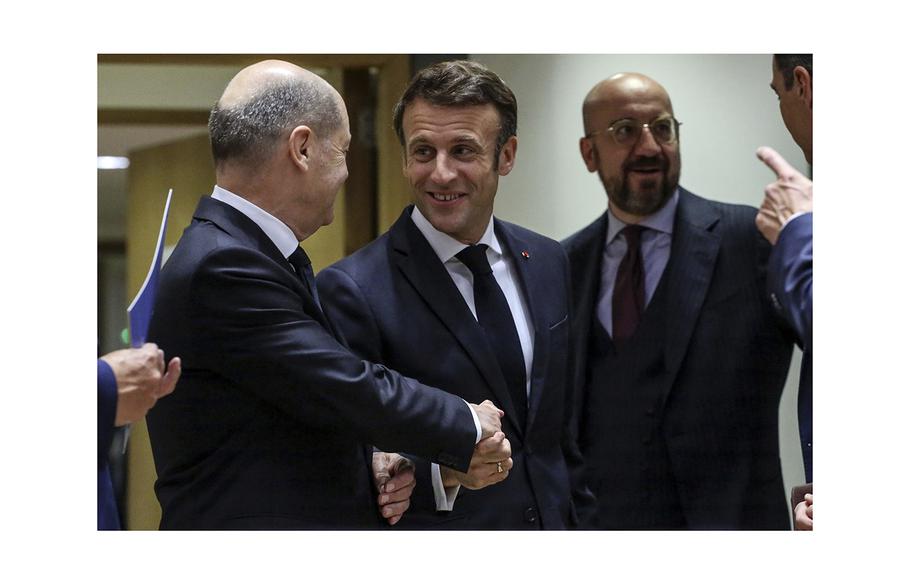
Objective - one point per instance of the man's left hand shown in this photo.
(395, 481)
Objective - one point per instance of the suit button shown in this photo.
(531, 515)
(775, 302)
(650, 411)
(646, 439)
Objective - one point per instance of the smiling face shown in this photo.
(640, 177)
(450, 162)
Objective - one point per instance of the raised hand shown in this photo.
(791, 193)
(140, 382)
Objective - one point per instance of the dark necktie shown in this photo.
(495, 318)
(629, 291)
(304, 269)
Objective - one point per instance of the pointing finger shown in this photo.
(773, 160)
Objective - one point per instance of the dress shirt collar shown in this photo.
(274, 228)
(447, 247)
(661, 220)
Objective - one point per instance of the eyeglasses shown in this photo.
(627, 131)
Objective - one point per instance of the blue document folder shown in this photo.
(140, 311)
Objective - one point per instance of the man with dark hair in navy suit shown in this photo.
(472, 305)
(785, 219)
(680, 363)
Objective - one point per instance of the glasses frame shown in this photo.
(632, 142)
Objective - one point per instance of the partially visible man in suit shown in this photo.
(470, 304)
(679, 360)
(785, 219)
(271, 424)
(130, 382)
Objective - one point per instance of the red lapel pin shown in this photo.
(525, 254)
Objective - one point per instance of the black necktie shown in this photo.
(629, 291)
(495, 318)
(304, 268)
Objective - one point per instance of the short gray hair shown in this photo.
(247, 132)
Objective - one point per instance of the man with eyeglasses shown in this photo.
(679, 359)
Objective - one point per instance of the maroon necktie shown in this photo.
(629, 291)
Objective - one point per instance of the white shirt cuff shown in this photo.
(476, 423)
(445, 498)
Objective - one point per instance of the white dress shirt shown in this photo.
(273, 227)
(506, 276)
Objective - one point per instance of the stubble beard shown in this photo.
(648, 198)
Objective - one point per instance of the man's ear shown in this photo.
(300, 146)
(586, 146)
(507, 155)
(804, 84)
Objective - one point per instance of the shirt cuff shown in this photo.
(794, 216)
(445, 498)
(476, 423)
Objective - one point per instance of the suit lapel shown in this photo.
(421, 267)
(533, 281)
(688, 274)
(586, 264)
(242, 227)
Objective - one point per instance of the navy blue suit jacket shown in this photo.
(270, 424)
(722, 370)
(790, 282)
(395, 303)
(108, 517)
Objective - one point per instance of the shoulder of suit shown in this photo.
(373, 254)
(541, 243)
(526, 234)
(585, 238)
(732, 212)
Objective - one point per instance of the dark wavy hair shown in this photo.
(461, 83)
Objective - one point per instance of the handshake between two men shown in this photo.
(394, 477)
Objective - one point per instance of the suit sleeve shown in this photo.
(255, 331)
(107, 409)
(350, 313)
(790, 275)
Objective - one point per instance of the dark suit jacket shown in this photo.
(108, 517)
(790, 282)
(724, 364)
(394, 302)
(268, 426)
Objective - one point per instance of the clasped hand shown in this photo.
(492, 458)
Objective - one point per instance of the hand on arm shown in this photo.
(791, 193)
(140, 382)
(395, 481)
(490, 464)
